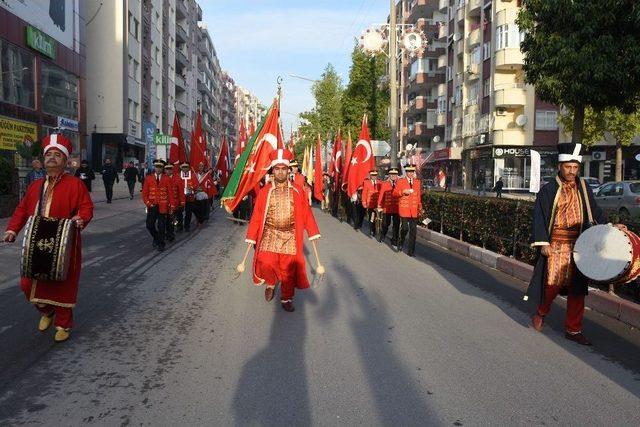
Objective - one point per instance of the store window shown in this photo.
(59, 92)
(17, 82)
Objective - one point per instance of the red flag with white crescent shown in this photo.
(177, 152)
(198, 145)
(362, 161)
(242, 141)
(258, 162)
(222, 166)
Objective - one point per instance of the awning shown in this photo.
(449, 153)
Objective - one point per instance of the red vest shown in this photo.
(409, 205)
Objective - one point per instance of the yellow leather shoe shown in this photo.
(61, 334)
(45, 322)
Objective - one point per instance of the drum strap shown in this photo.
(585, 194)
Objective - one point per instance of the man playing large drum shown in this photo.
(564, 208)
(62, 196)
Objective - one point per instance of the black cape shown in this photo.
(543, 217)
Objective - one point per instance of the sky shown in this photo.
(259, 40)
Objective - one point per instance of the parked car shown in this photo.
(593, 183)
(622, 197)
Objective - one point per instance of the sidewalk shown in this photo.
(513, 196)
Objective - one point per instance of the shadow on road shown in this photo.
(612, 340)
(273, 389)
(399, 400)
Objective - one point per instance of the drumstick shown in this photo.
(240, 267)
(320, 268)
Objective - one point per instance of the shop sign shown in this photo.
(443, 154)
(161, 139)
(501, 152)
(14, 132)
(380, 148)
(68, 124)
(479, 154)
(41, 42)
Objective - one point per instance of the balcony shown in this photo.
(181, 58)
(181, 108)
(510, 96)
(441, 118)
(442, 61)
(475, 7)
(442, 89)
(509, 137)
(181, 9)
(506, 16)
(443, 5)
(473, 72)
(459, 49)
(417, 129)
(181, 34)
(510, 58)
(203, 48)
(418, 10)
(474, 39)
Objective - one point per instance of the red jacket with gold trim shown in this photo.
(370, 193)
(157, 192)
(386, 199)
(410, 205)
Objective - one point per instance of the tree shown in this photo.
(366, 93)
(581, 53)
(326, 115)
(622, 127)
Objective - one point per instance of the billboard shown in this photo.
(55, 18)
(13, 132)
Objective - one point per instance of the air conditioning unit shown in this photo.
(501, 111)
(599, 155)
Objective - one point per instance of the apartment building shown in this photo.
(486, 118)
(228, 112)
(248, 107)
(209, 86)
(42, 76)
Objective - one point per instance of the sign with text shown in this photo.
(41, 42)
(14, 132)
(59, 19)
(161, 139)
(68, 124)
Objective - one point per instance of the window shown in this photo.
(476, 55)
(133, 111)
(59, 92)
(508, 36)
(442, 104)
(17, 79)
(546, 120)
(617, 189)
(473, 93)
(158, 92)
(486, 51)
(486, 87)
(157, 56)
(133, 76)
(136, 66)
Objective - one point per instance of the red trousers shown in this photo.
(63, 315)
(575, 308)
(273, 268)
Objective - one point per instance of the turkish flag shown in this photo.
(222, 166)
(346, 160)
(362, 162)
(198, 145)
(336, 158)
(258, 162)
(177, 152)
(242, 141)
(318, 184)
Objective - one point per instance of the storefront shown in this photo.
(444, 163)
(512, 164)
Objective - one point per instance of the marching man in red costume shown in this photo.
(370, 192)
(63, 196)
(276, 231)
(156, 195)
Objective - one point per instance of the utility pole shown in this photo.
(393, 83)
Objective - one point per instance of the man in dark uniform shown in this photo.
(109, 176)
(564, 209)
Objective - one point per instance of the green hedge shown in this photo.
(500, 225)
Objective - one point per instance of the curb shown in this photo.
(597, 300)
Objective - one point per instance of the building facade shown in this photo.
(42, 76)
(468, 97)
(248, 107)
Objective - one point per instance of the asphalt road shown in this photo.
(173, 339)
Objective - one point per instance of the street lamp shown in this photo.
(384, 39)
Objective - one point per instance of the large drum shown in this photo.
(605, 254)
(47, 247)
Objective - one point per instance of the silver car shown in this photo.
(622, 197)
